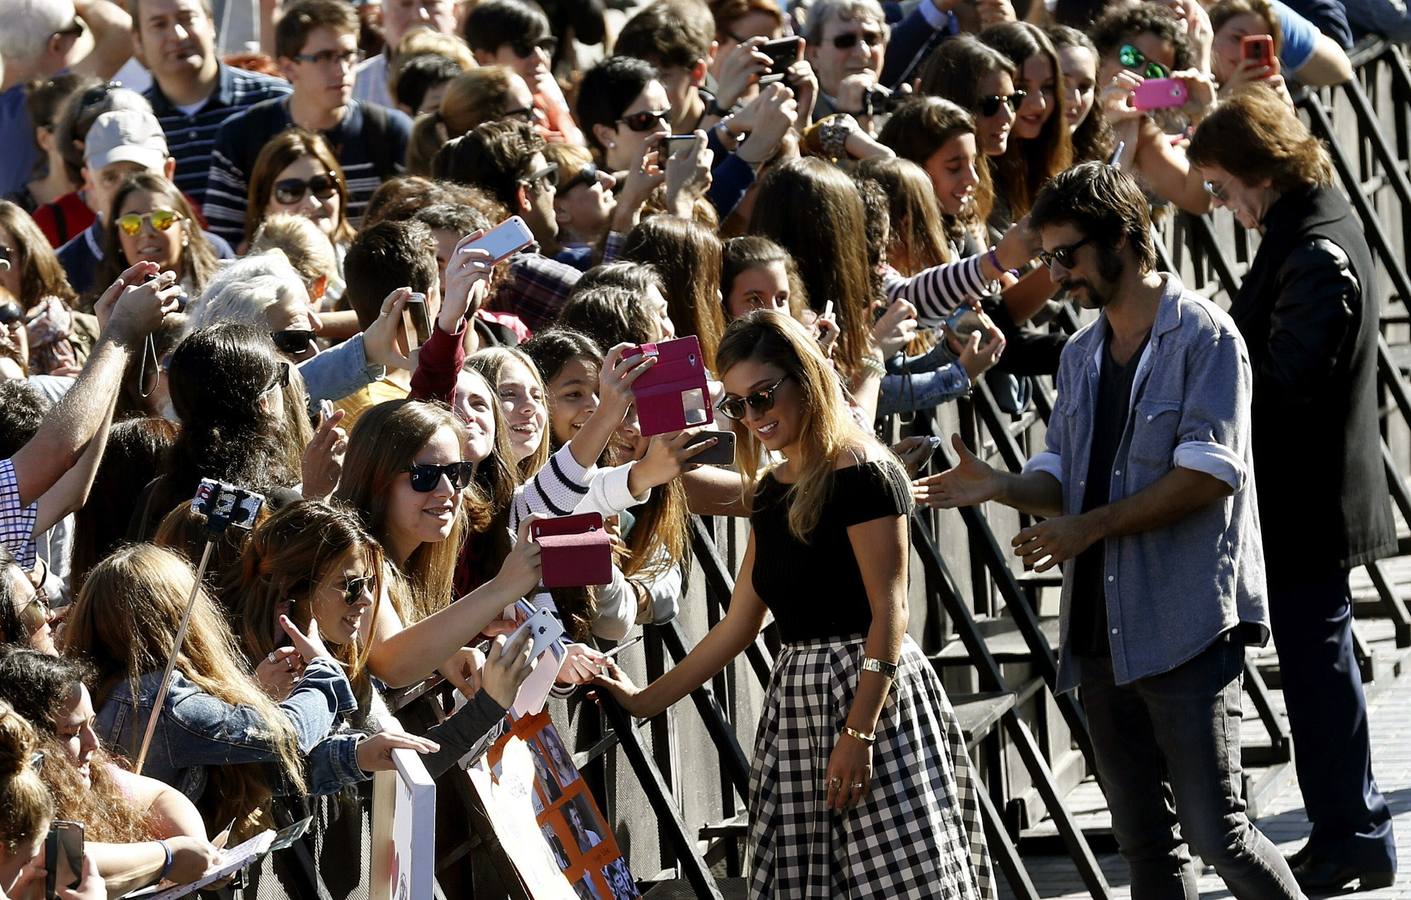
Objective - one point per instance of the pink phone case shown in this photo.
(1160, 93)
(574, 551)
(672, 394)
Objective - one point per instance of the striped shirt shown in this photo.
(370, 143)
(189, 137)
(937, 291)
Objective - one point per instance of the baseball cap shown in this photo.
(126, 135)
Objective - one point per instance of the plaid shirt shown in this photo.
(536, 289)
(16, 521)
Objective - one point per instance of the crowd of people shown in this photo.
(285, 268)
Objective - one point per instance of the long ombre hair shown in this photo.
(686, 255)
(918, 234)
(490, 362)
(124, 625)
(382, 446)
(826, 428)
(287, 557)
(825, 243)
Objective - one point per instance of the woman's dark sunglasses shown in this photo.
(646, 120)
(849, 40)
(426, 476)
(760, 401)
(354, 589)
(292, 190)
(525, 49)
(990, 105)
(1132, 58)
(292, 340)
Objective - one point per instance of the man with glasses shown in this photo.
(317, 45)
(398, 17)
(847, 42)
(1147, 482)
(506, 158)
(39, 39)
(192, 91)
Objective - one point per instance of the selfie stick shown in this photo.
(223, 505)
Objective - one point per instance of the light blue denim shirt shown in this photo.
(197, 730)
(1172, 591)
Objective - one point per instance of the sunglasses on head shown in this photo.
(525, 49)
(587, 175)
(1132, 58)
(354, 588)
(990, 105)
(160, 219)
(292, 190)
(646, 120)
(547, 177)
(849, 40)
(292, 340)
(760, 401)
(1061, 255)
(425, 476)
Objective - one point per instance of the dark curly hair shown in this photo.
(1121, 25)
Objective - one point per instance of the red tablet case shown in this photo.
(672, 394)
(574, 551)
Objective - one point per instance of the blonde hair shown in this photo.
(419, 41)
(303, 244)
(474, 97)
(124, 625)
(25, 805)
(826, 427)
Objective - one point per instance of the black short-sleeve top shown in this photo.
(815, 589)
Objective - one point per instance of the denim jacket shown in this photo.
(339, 371)
(1172, 591)
(197, 730)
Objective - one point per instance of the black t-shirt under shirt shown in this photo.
(1087, 628)
(815, 589)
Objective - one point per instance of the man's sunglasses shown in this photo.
(587, 175)
(524, 113)
(990, 105)
(34, 615)
(161, 220)
(760, 401)
(525, 49)
(291, 190)
(1061, 255)
(354, 589)
(292, 340)
(547, 177)
(1132, 58)
(646, 120)
(849, 40)
(426, 476)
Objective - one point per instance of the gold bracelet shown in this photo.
(867, 739)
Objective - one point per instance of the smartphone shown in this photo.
(505, 238)
(673, 142)
(1257, 48)
(63, 858)
(965, 321)
(1160, 93)
(782, 54)
(722, 454)
(544, 628)
(417, 321)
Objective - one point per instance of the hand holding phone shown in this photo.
(1160, 93)
(505, 239)
(63, 858)
(1257, 49)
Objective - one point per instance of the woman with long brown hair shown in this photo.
(214, 717)
(130, 821)
(857, 749)
(58, 336)
(686, 255)
(297, 172)
(151, 220)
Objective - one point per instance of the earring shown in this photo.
(612, 145)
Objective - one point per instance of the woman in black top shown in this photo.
(860, 785)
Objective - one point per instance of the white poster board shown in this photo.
(403, 830)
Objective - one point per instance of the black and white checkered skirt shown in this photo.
(917, 833)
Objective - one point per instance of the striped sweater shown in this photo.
(370, 143)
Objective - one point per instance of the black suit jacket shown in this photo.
(1309, 309)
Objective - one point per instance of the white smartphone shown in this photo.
(544, 628)
(505, 238)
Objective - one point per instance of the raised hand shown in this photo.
(978, 358)
(896, 329)
(688, 175)
(969, 483)
(611, 677)
(467, 282)
(616, 376)
(322, 464)
(740, 69)
(309, 645)
(279, 671)
(519, 573)
(666, 458)
(380, 338)
(506, 666)
(375, 751)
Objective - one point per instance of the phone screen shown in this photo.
(505, 238)
(63, 857)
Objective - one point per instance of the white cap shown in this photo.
(126, 135)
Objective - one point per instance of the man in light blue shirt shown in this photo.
(1147, 480)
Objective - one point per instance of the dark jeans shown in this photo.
(1312, 622)
(1168, 752)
